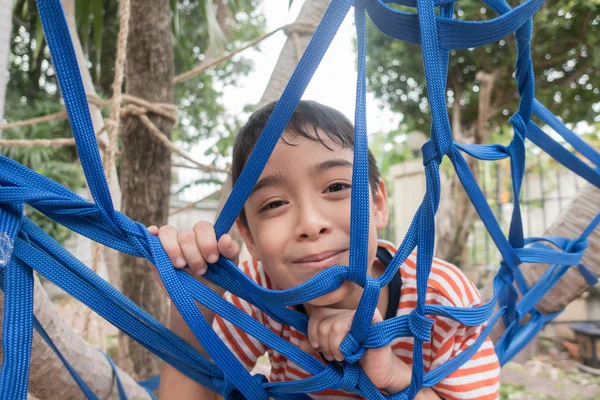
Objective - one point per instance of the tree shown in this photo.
(299, 35)
(481, 89)
(5, 7)
(145, 176)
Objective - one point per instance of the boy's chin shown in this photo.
(331, 299)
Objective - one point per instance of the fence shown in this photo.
(547, 190)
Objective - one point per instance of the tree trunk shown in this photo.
(310, 16)
(146, 164)
(5, 32)
(456, 214)
(111, 257)
(570, 223)
(49, 379)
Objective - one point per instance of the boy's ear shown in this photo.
(248, 239)
(381, 213)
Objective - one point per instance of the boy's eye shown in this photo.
(337, 187)
(273, 205)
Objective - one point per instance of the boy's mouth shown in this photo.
(321, 260)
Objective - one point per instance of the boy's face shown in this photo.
(299, 214)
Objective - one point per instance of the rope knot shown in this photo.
(430, 152)
(577, 245)
(231, 392)
(420, 326)
(519, 126)
(346, 378)
(351, 349)
(300, 28)
(506, 273)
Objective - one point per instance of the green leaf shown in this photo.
(39, 37)
(97, 32)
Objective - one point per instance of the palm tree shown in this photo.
(5, 29)
(310, 15)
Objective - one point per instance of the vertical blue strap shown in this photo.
(17, 327)
(282, 113)
(71, 85)
(441, 132)
(359, 221)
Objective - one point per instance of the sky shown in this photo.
(333, 84)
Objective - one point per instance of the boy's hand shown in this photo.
(196, 247)
(328, 327)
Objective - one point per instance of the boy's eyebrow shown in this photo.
(325, 165)
(269, 180)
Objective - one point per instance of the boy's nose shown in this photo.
(311, 225)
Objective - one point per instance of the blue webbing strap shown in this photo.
(101, 222)
(87, 391)
(17, 320)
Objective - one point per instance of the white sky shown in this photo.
(333, 84)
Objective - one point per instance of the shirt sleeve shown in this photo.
(479, 377)
(246, 348)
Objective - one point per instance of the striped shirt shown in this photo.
(478, 378)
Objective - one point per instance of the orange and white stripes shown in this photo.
(478, 378)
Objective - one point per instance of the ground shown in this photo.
(550, 376)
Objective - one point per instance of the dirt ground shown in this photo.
(546, 377)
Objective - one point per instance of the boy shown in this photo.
(295, 224)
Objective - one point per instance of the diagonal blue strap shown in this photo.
(578, 144)
(436, 33)
(87, 391)
(120, 388)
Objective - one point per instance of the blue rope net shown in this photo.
(31, 248)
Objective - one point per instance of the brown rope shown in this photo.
(58, 142)
(113, 130)
(34, 121)
(141, 113)
(209, 64)
(135, 105)
(295, 30)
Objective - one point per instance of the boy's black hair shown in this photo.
(308, 118)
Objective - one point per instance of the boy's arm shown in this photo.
(174, 384)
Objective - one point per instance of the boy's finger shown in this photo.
(323, 332)
(229, 248)
(312, 330)
(206, 240)
(153, 230)
(168, 238)
(337, 333)
(189, 246)
(307, 347)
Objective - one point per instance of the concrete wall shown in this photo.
(408, 191)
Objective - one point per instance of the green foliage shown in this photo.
(57, 163)
(202, 29)
(202, 114)
(565, 58)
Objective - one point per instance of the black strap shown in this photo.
(394, 286)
